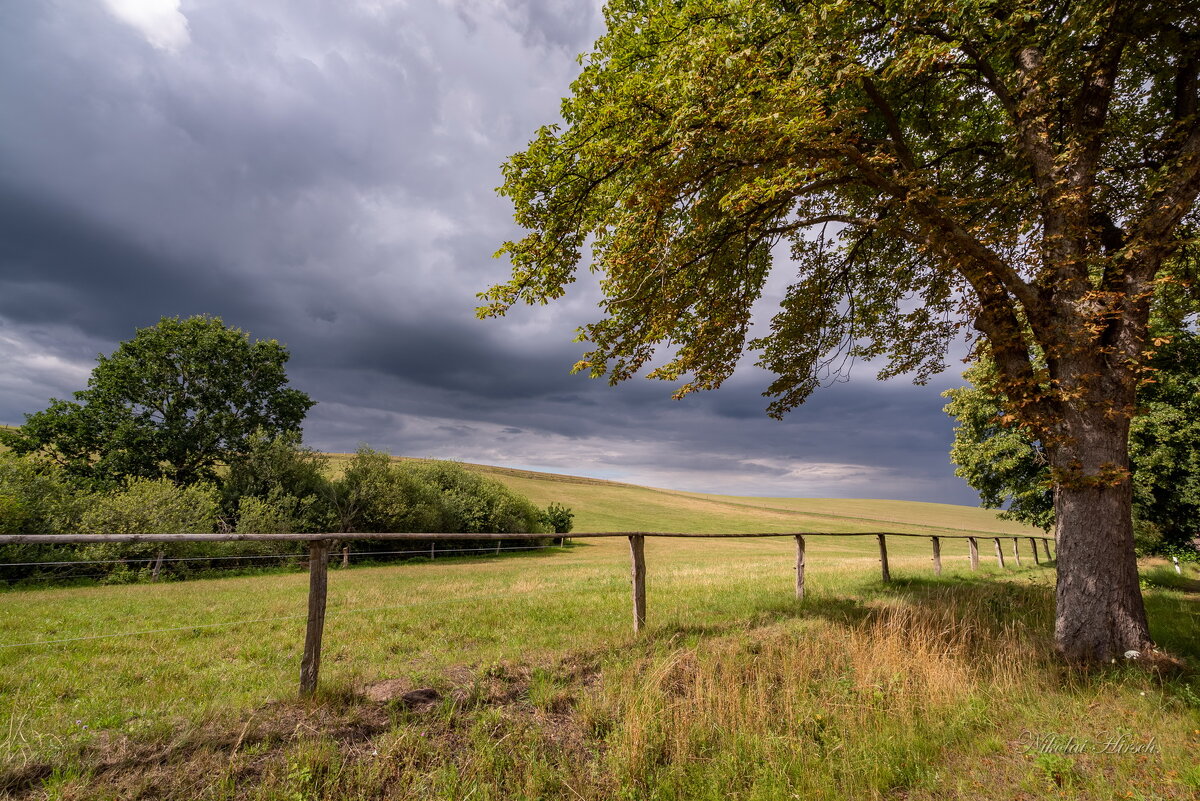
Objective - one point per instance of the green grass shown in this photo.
(924, 688)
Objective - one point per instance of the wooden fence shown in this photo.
(319, 548)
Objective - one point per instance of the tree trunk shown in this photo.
(1099, 611)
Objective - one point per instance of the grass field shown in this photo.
(919, 689)
(531, 684)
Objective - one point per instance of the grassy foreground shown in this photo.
(535, 687)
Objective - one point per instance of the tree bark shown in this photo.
(1099, 611)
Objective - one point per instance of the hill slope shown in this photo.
(601, 505)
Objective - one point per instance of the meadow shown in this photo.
(518, 676)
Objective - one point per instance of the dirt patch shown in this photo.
(400, 692)
(183, 763)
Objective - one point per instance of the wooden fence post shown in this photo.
(1016, 553)
(318, 582)
(999, 552)
(799, 568)
(974, 547)
(345, 556)
(498, 547)
(937, 556)
(637, 550)
(887, 574)
(1033, 544)
(157, 566)
(433, 550)
(1046, 546)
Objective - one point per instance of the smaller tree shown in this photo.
(560, 518)
(473, 504)
(151, 506)
(374, 495)
(36, 497)
(175, 401)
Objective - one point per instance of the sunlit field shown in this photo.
(538, 688)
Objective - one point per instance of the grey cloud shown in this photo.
(323, 174)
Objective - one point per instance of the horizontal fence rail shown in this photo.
(320, 547)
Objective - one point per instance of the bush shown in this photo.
(152, 506)
(377, 495)
(37, 497)
(284, 483)
(374, 495)
(1147, 538)
(275, 514)
(560, 519)
(279, 487)
(472, 503)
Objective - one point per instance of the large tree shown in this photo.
(174, 402)
(1021, 169)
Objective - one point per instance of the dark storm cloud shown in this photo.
(323, 174)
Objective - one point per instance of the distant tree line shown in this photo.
(191, 428)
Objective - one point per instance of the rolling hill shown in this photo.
(601, 505)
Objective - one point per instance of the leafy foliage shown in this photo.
(472, 503)
(175, 401)
(375, 495)
(1164, 442)
(998, 459)
(278, 485)
(36, 497)
(150, 506)
(906, 152)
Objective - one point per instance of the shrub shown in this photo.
(279, 474)
(37, 497)
(152, 506)
(560, 519)
(475, 504)
(374, 495)
(274, 514)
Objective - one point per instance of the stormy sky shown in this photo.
(323, 173)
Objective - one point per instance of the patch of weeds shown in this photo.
(1191, 776)
(1057, 769)
(1187, 694)
(549, 693)
(64, 781)
(308, 770)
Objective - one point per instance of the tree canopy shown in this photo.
(173, 402)
(1018, 169)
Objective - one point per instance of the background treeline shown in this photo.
(277, 486)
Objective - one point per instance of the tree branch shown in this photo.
(895, 133)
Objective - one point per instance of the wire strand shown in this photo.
(448, 551)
